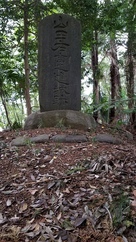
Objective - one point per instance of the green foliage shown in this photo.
(60, 124)
(76, 169)
(105, 105)
(29, 143)
(16, 125)
(12, 75)
(120, 210)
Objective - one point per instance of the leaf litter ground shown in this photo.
(75, 192)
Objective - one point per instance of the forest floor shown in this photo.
(74, 192)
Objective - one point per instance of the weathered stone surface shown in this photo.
(59, 67)
(129, 135)
(33, 121)
(3, 145)
(60, 118)
(107, 138)
(40, 138)
(20, 141)
(69, 138)
(59, 138)
(76, 138)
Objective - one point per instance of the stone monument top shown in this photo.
(59, 63)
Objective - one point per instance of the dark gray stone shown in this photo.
(59, 63)
(60, 138)
(20, 141)
(60, 118)
(129, 135)
(76, 138)
(3, 145)
(107, 138)
(40, 138)
(33, 121)
(63, 138)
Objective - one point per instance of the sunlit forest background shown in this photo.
(108, 57)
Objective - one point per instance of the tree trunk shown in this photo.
(130, 78)
(114, 80)
(96, 91)
(6, 110)
(26, 62)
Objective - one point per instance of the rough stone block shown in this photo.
(59, 63)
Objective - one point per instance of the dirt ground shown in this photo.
(74, 192)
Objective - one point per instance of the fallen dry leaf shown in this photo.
(8, 202)
(66, 192)
(23, 207)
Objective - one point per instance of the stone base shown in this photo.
(60, 118)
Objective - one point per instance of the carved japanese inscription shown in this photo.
(59, 63)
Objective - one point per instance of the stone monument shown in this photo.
(59, 63)
(59, 75)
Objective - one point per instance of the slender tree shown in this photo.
(26, 59)
(20, 19)
(131, 61)
(95, 70)
(114, 80)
